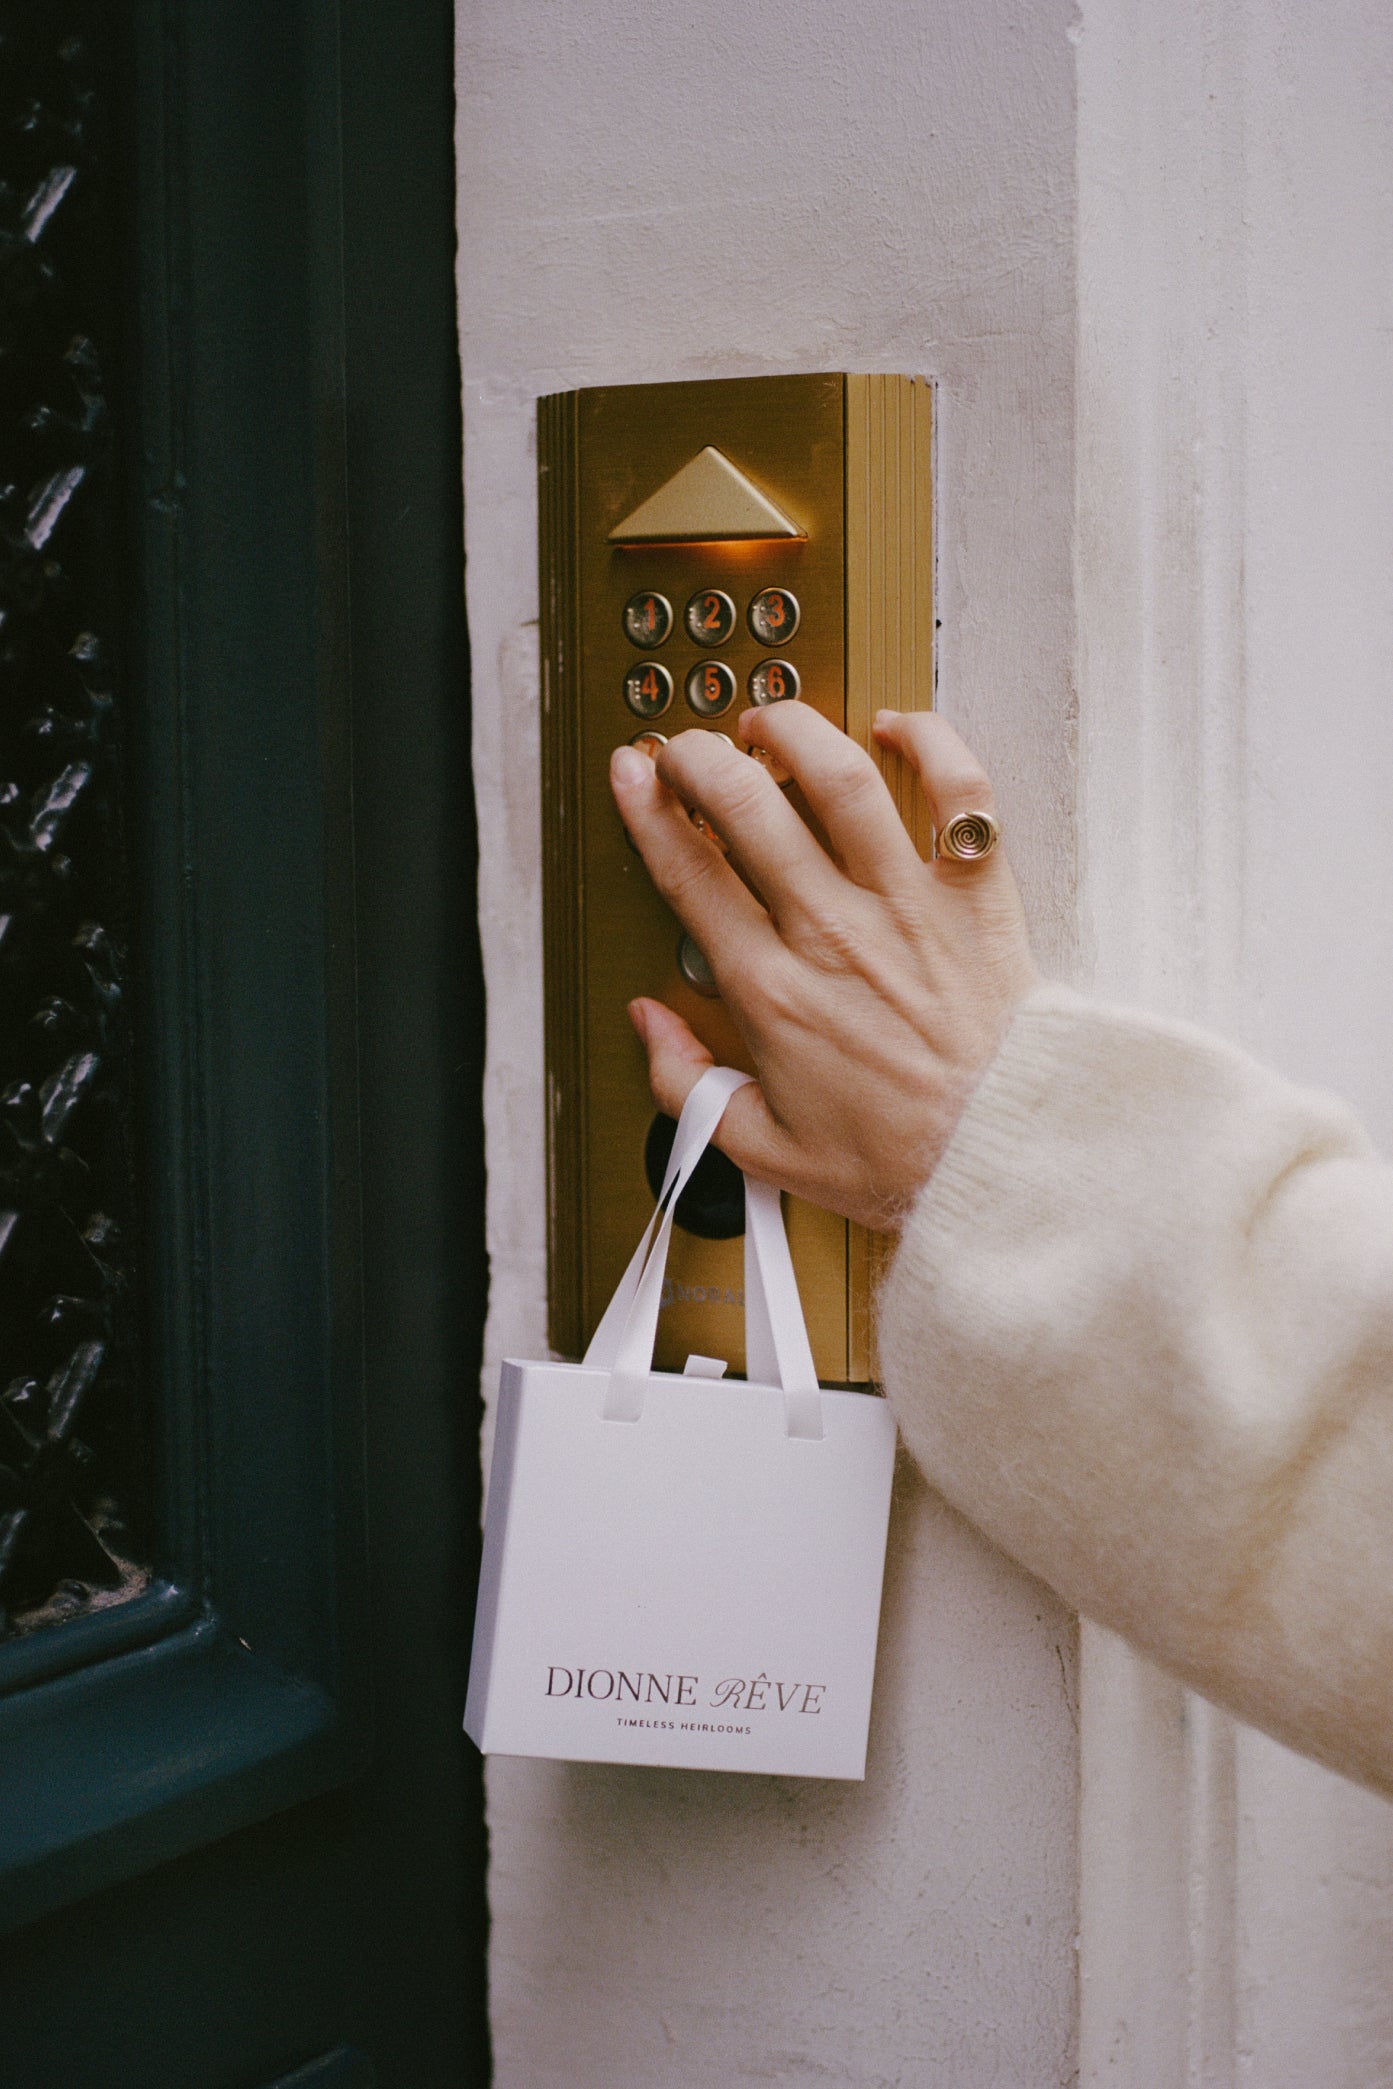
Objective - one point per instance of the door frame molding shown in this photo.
(238, 1683)
(1159, 590)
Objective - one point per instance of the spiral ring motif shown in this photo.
(968, 837)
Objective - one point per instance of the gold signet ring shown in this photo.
(969, 837)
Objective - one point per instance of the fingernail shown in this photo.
(627, 765)
(638, 1016)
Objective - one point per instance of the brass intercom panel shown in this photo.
(704, 546)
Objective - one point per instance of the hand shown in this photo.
(871, 988)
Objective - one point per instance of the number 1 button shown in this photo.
(647, 620)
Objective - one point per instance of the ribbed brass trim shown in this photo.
(563, 886)
(890, 568)
(889, 661)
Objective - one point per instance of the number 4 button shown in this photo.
(648, 689)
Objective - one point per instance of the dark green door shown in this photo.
(241, 1260)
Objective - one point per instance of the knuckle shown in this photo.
(685, 876)
(962, 792)
(778, 996)
(851, 775)
(741, 793)
(946, 763)
(836, 943)
(958, 780)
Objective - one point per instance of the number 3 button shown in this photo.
(711, 617)
(773, 682)
(774, 616)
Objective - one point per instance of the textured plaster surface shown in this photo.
(1314, 1893)
(1235, 541)
(666, 193)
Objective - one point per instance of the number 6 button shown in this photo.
(711, 617)
(773, 682)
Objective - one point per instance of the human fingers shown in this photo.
(677, 1058)
(748, 1133)
(748, 810)
(689, 871)
(952, 779)
(844, 789)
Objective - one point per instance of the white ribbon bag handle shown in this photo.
(776, 1337)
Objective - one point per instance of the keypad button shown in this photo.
(772, 764)
(649, 743)
(710, 688)
(704, 826)
(773, 682)
(710, 617)
(648, 689)
(774, 616)
(691, 963)
(648, 620)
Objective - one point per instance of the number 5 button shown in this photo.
(711, 617)
(774, 616)
(710, 688)
(773, 682)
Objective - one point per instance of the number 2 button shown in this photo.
(711, 617)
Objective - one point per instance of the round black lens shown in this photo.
(713, 1204)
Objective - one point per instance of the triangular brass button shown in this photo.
(708, 501)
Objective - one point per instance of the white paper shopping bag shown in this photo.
(685, 1569)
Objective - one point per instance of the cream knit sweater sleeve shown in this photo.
(1140, 1330)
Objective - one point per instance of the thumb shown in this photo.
(677, 1058)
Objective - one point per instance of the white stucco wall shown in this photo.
(666, 193)
(1234, 583)
(1147, 254)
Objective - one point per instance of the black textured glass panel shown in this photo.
(713, 1203)
(73, 1442)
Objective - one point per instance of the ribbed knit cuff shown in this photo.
(1003, 1109)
